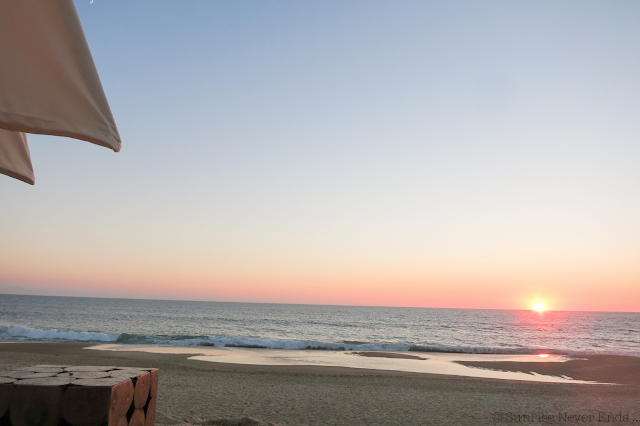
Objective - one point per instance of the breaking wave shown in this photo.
(18, 332)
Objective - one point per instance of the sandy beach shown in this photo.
(212, 393)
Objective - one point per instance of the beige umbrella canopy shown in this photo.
(48, 82)
(15, 160)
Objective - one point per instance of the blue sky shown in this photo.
(333, 141)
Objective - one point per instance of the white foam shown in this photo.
(20, 333)
(302, 344)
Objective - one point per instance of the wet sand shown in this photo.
(389, 355)
(319, 395)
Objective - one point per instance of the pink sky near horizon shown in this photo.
(471, 287)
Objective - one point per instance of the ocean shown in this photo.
(282, 326)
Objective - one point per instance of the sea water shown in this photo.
(317, 327)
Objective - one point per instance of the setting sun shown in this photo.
(539, 307)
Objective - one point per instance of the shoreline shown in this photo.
(192, 390)
(596, 369)
(488, 366)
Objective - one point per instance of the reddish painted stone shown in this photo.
(121, 399)
(153, 389)
(141, 393)
(137, 419)
(150, 418)
(78, 396)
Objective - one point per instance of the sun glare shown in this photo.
(539, 307)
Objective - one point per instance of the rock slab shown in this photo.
(78, 396)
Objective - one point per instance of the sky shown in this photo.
(410, 153)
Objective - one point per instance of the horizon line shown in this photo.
(312, 304)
